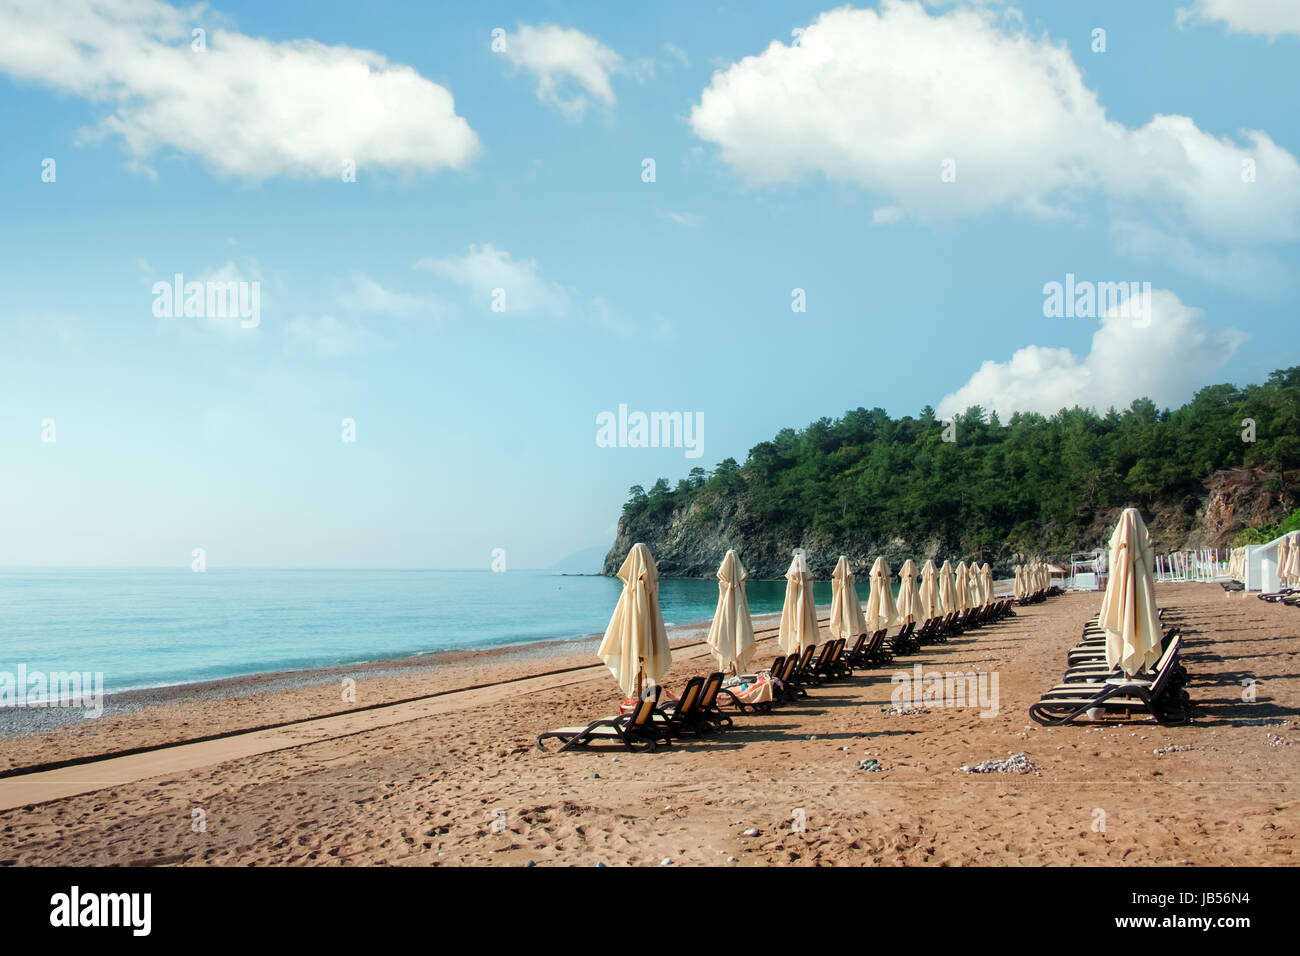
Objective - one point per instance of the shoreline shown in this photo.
(17, 722)
(417, 782)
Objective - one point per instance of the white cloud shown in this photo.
(1166, 361)
(688, 219)
(485, 268)
(677, 54)
(561, 58)
(247, 106)
(1264, 17)
(882, 99)
(886, 215)
(368, 297)
(1257, 273)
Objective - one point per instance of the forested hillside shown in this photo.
(868, 484)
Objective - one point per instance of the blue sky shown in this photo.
(814, 164)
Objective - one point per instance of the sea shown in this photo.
(154, 628)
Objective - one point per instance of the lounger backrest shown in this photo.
(1166, 665)
(857, 647)
(689, 702)
(777, 665)
(712, 684)
(823, 658)
(645, 707)
(805, 658)
(791, 663)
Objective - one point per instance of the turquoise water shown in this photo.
(159, 627)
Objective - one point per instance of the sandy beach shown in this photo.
(421, 782)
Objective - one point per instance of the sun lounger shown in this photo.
(831, 664)
(709, 708)
(791, 686)
(684, 713)
(631, 730)
(1168, 706)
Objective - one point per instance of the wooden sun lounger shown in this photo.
(631, 730)
(684, 713)
(1063, 703)
(708, 706)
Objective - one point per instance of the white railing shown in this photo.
(1202, 564)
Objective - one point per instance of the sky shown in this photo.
(475, 229)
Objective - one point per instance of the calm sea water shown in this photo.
(153, 628)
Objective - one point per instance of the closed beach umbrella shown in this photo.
(732, 633)
(1288, 560)
(1293, 559)
(909, 598)
(961, 586)
(986, 583)
(948, 588)
(1019, 590)
(973, 584)
(847, 620)
(799, 614)
(881, 609)
(931, 604)
(636, 645)
(1128, 609)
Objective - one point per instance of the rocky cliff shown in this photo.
(690, 541)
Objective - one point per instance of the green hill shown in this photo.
(867, 484)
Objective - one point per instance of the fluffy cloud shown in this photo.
(365, 296)
(247, 106)
(486, 268)
(1165, 361)
(883, 99)
(561, 58)
(1265, 17)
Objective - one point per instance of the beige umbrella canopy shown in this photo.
(636, 645)
(931, 604)
(974, 572)
(986, 583)
(846, 609)
(731, 636)
(948, 588)
(909, 598)
(961, 586)
(1283, 560)
(799, 614)
(1128, 609)
(1292, 569)
(881, 609)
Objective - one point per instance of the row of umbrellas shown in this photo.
(636, 649)
(1032, 577)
